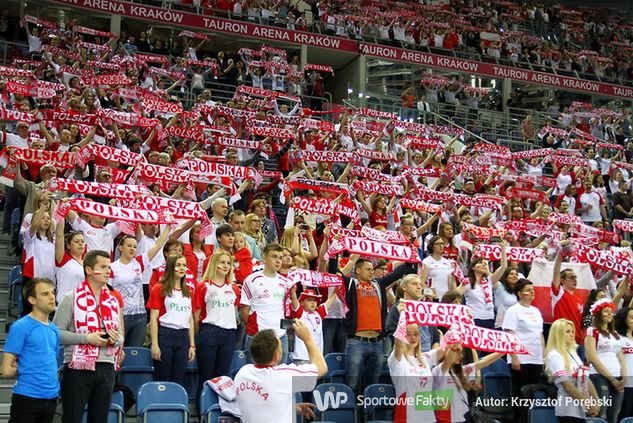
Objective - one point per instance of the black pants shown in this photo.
(529, 374)
(627, 404)
(81, 387)
(32, 410)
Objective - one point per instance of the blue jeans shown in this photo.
(174, 355)
(81, 387)
(364, 358)
(135, 329)
(284, 349)
(606, 390)
(334, 336)
(214, 349)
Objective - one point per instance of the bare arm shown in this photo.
(60, 248)
(160, 242)
(9, 365)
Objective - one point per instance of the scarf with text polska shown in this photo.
(87, 316)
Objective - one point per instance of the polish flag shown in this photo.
(541, 275)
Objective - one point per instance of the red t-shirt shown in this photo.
(569, 306)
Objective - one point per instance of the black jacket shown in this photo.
(350, 322)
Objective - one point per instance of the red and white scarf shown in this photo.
(314, 279)
(436, 314)
(13, 72)
(484, 339)
(322, 156)
(119, 191)
(520, 254)
(619, 261)
(528, 154)
(368, 247)
(109, 80)
(88, 314)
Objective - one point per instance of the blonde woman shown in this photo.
(253, 228)
(570, 377)
(39, 248)
(300, 241)
(215, 317)
(410, 371)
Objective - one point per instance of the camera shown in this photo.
(304, 227)
(286, 323)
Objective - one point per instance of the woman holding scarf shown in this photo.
(478, 294)
(171, 322)
(604, 353)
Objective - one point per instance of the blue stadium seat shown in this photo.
(116, 413)
(191, 380)
(385, 374)
(541, 415)
(162, 402)
(208, 405)
(335, 368)
(135, 376)
(379, 390)
(595, 420)
(137, 357)
(627, 420)
(499, 366)
(498, 386)
(339, 395)
(239, 360)
(15, 291)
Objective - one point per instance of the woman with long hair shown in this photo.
(570, 377)
(458, 379)
(594, 295)
(39, 248)
(604, 353)
(437, 270)
(479, 292)
(253, 228)
(504, 293)
(377, 208)
(447, 233)
(215, 317)
(624, 327)
(125, 277)
(410, 371)
(196, 251)
(171, 322)
(69, 259)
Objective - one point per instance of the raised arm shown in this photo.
(60, 248)
(160, 242)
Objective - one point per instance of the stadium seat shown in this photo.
(385, 374)
(499, 366)
(335, 368)
(162, 402)
(382, 412)
(191, 380)
(137, 357)
(498, 386)
(208, 405)
(339, 404)
(239, 360)
(541, 415)
(15, 291)
(116, 413)
(627, 420)
(595, 420)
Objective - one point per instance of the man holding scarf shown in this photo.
(90, 322)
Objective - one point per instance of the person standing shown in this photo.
(31, 353)
(265, 389)
(263, 297)
(90, 320)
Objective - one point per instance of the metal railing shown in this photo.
(10, 50)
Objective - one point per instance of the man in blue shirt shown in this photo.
(30, 353)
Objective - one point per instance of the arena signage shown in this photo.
(247, 29)
(493, 70)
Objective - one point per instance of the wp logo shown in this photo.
(329, 399)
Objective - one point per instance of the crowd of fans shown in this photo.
(593, 41)
(213, 220)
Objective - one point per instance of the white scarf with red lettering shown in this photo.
(87, 317)
(13, 72)
(368, 247)
(111, 212)
(378, 188)
(189, 133)
(238, 143)
(320, 68)
(314, 279)
(104, 152)
(272, 132)
(322, 156)
(377, 113)
(620, 261)
(528, 154)
(623, 225)
(484, 339)
(520, 254)
(119, 191)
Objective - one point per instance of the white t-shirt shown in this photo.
(592, 215)
(556, 366)
(13, 140)
(218, 304)
(527, 324)
(607, 349)
(409, 376)
(266, 298)
(561, 182)
(476, 300)
(97, 238)
(443, 381)
(314, 321)
(69, 274)
(265, 393)
(439, 273)
(144, 244)
(627, 350)
(35, 43)
(127, 279)
(502, 300)
(40, 257)
(174, 311)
